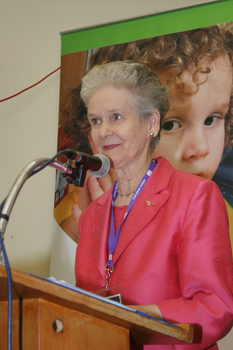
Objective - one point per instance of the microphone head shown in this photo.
(104, 167)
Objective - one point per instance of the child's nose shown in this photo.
(195, 146)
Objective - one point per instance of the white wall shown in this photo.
(30, 49)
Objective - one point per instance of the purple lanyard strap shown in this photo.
(113, 239)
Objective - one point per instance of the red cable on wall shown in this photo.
(7, 98)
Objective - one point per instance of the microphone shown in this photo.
(97, 165)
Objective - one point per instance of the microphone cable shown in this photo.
(9, 292)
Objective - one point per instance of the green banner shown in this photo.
(149, 26)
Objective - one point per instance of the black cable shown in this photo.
(2, 204)
(9, 290)
(48, 162)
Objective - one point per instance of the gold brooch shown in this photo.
(149, 203)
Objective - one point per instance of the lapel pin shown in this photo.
(149, 203)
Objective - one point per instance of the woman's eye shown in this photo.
(117, 116)
(95, 121)
(171, 125)
(212, 120)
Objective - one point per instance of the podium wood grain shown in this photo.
(88, 323)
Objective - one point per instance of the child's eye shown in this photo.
(171, 125)
(212, 120)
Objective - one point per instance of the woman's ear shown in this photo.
(155, 122)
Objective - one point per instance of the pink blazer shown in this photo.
(174, 252)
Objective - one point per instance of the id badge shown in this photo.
(113, 293)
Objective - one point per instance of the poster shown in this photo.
(84, 48)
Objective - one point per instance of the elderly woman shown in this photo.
(159, 233)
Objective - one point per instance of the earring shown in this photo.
(152, 135)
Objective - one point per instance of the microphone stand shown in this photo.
(6, 210)
(74, 173)
(14, 191)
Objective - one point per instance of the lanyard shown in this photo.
(113, 238)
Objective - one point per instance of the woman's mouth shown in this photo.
(110, 147)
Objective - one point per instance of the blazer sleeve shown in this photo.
(205, 269)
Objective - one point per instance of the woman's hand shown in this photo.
(94, 188)
(151, 310)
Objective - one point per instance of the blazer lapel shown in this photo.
(151, 199)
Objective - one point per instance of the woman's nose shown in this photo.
(195, 145)
(105, 129)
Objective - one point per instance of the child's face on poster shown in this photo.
(193, 134)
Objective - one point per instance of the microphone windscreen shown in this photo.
(104, 169)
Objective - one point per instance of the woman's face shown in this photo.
(115, 128)
(193, 134)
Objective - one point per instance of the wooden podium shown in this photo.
(47, 316)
